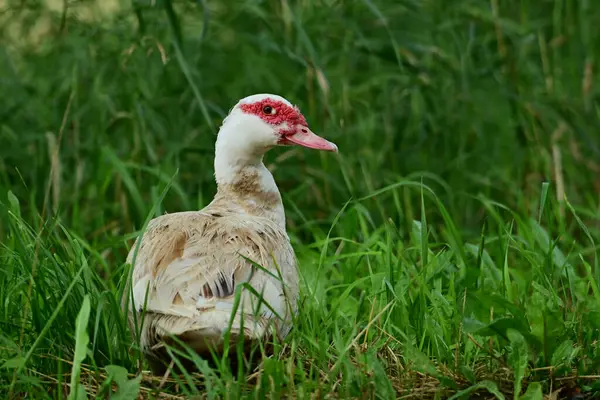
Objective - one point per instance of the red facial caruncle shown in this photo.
(275, 112)
(292, 127)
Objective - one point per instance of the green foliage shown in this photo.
(127, 388)
(82, 340)
(451, 248)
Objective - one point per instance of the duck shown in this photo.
(229, 267)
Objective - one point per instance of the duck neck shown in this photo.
(243, 179)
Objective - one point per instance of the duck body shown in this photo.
(230, 266)
(191, 263)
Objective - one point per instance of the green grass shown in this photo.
(452, 247)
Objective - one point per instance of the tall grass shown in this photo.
(450, 248)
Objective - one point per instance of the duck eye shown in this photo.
(269, 110)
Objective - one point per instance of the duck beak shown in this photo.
(306, 138)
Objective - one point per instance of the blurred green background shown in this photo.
(476, 97)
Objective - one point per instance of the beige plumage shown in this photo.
(189, 264)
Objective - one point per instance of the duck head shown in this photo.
(262, 121)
